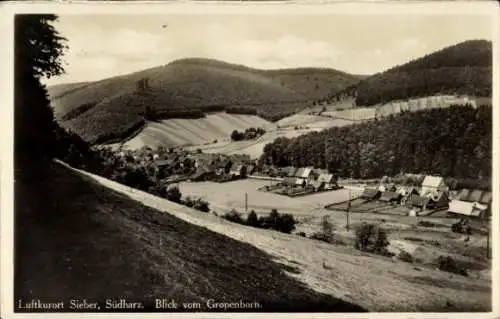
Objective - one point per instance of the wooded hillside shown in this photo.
(452, 142)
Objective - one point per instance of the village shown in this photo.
(409, 195)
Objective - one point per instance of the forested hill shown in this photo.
(452, 142)
(464, 68)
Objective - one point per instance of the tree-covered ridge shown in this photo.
(452, 142)
(464, 68)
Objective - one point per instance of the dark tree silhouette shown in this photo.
(38, 50)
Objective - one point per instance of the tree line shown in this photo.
(451, 142)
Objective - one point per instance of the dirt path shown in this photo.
(376, 283)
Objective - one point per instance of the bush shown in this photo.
(174, 194)
(405, 256)
(202, 205)
(321, 236)
(252, 219)
(234, 216)
(371, 238)
(448, 264)
(326, 233)
(285, 223)
(301, 234)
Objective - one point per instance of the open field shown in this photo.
(223, 197)
(374, 282)
(177, 132)
(92, 242)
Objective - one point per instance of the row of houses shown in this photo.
(308, 176)
(433, 194)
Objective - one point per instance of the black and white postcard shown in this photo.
(220, 160)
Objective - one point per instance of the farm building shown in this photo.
(370, 193)
(438, 200)
(470, 209)
(387, 188)
(406, 193)
(204, 174)
(239, 170)
(474, 195)
(418, 201)
(293, 181)
(391, 196)
(251, 169)
(432, 184)
(306, 174)
(325, 181)
(287, 171)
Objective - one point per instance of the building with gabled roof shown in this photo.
(370, 193)
(325, 181)
(419, 201)
(469, 209)
(474, 195)
(432, 184)
(292, 181)
(303, 172)
(390, 196)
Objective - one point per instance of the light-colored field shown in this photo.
(375, 282)
(195, 131)
(253, 148)
(354, 114)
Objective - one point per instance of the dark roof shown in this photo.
(163, 162)
(474, 195)
(388, 196)
(370, 193)
(419, 201)
(390, 187)
(290, 180)
(326, 178)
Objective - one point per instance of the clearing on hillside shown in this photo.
(181, 132)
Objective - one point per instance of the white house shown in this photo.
(432, 184)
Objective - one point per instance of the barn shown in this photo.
(370, 193)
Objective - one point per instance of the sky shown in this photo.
(102, 46)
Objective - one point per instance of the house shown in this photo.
(305, 173)
(469, 209)
(390, 196)
(239, 171)
(418, 201)
(370, 193)
(325, 181)
(406, 193)
(203, 174)
(293, 181)
(250, 169)
(438, 200)
(474, 195)
(432, 184)
(287, 171)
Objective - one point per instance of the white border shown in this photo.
(7, 10)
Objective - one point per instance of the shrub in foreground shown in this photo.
(447, 263)
(371, 238)
(326, 233)
(234, 216)
(405, 256)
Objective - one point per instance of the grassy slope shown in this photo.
(195, 131)
(376, 283)
(78, 239)
(113, 105)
